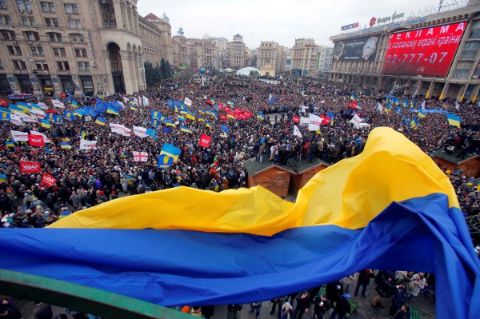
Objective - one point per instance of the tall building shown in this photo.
(77, 46)
(156, 34)
(237, 53)
(181, 55)
(325, 59)
(195, 53)
(304, 57)
(271, 55)
(436, 55)
(221, 51)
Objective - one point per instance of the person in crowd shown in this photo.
(363, 280)
(342, 307)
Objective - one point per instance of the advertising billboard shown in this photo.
(360, 49)
(428, 51)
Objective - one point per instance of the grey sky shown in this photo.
(277, 20)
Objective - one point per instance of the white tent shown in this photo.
(248, 71)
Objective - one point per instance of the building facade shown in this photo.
(325, 60)
(156, 35)
(195, 53)
(82, 47)
(237, 55)
(450, 71)
(271, 55)
(304, 57)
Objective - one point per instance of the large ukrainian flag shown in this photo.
(390, 207)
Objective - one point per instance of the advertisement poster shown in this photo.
(428, 51)
(361, 49)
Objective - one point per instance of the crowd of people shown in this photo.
(84, 178)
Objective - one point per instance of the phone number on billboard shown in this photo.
(411, 58)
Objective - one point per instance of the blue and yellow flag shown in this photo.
(4, 116)
(454, 120)
(65, 146)
(389, 207)
(45, 123)
(101, 121)
(3, 178)
(169, 122)
(171, 151)
(9, 143)
(185, 129)
(421, 114)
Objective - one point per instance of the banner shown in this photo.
(27, 167)
(140, 156)
(427, 51)
(205, 141)
(36, 140)
(314, 122)
(120, 129)
(359, 49)
(296, 131)
(188, 102)
(140, 131)
(88, 145)
(18, 136)
(45, 138)
(48, 180)
(58, 104)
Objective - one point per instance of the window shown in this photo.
(71, 8)
(41, 65)
(83, 66)
(47, 7)
(24, 6)
(59, 52)
(63, 66)
(5, 20)
(51, 22)
(7, 35)
(54, 37)
(31, 35)
(76, 37)
(74, 24)
(14, 50)
(80, 53)
(3, 4)
(19, 65)
(37, 51)
(1, 65)
(28, 20)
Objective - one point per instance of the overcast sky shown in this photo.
(275, 20)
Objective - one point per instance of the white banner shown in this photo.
(42, 105)
(140, 131)
(140, 156)
(188, 102)
(88, 145)
(18, 136)
(296, 131)
(120, 129)
(58, 104)
(314, 122)
(38, 112)
(16, 119)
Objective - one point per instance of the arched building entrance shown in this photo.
(116, 67)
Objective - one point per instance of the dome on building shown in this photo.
(248, 71)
